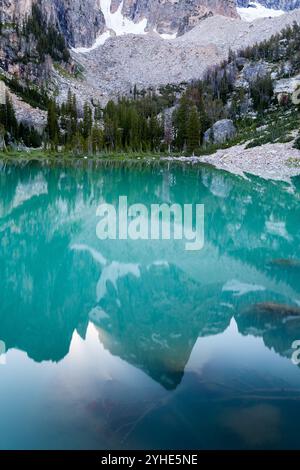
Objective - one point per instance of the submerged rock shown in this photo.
(275, 309)
(285, 263)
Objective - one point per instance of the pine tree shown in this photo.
(87, 120)
(180, 123)
(155, 132)
(168, 132)
(134, 135)
(2, 137)
(97, 139)
(52, 124)
(193, 130)
(262, 92)
(11, 120)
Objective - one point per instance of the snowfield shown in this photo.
(256, 11)
(118, 25)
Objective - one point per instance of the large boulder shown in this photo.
(220, 132)
(288, 88)
(252, 72)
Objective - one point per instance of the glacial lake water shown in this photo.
(123, 344)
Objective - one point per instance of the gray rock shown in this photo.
(80, 21)
(220, 132)
(167, 16)
(287, 88)
(253, 71)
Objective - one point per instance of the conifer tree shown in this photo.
(180, 123)
(87, 120)
(193, 130)
(52, 124)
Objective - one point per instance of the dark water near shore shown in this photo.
(141, 344)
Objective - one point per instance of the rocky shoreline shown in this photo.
(270, 161)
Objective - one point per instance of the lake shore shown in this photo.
(280, 161)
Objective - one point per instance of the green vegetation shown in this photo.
(280, 47)
(261, 91)
(49, 41)
(277, 126)
(78, 72)
(129, 125)
(31, 94)
(31, 44)
(11, 131)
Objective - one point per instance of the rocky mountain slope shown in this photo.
(123, 62)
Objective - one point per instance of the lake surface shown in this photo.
(142, 344)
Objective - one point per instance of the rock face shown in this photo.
(285, 5)
(81, 21)
(14, 9)
(252, 72)
(220, 132)
(172, 16)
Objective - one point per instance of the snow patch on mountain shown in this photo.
(255, 11)
(165, 35)
(118, 25)
(99, 42)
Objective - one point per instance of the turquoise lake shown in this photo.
(123, 344)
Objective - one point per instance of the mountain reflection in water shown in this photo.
(151, 302)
